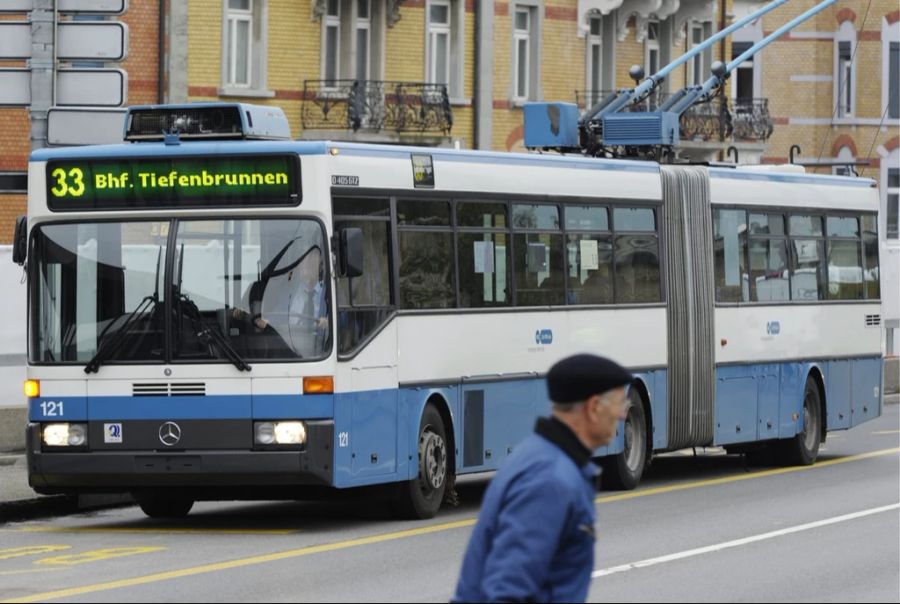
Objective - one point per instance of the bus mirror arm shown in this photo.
(351, 252)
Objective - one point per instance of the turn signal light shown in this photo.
(32, 388)
(318, 385)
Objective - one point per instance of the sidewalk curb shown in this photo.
(44, 506)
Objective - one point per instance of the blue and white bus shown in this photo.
(172, 354)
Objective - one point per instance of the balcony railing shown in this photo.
(741, 120)
(402, 107)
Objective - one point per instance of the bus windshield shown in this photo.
(236, 290)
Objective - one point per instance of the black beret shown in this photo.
(580, 377)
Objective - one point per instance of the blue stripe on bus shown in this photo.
(811, 179)
(508, 159)
(122, 408)
(187, 148)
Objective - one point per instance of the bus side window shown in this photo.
(364, 302)
(730, 249)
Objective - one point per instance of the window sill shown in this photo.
(460, 102)
(253, 93)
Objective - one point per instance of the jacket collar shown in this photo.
(562, 436)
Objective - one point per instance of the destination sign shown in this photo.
(173, 182)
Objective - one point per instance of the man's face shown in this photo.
(309, 268)
(604, 413)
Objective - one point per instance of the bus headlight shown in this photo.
(65, 435)
(279, 433)
(265, 433)
(290, 433)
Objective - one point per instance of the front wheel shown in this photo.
(421, 497)
(624, 470)
(803, 449)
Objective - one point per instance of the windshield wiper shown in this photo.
(118, 337)
(115, 341)
(210, 334)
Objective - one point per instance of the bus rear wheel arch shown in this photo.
(623, 471)
(803, 448)
(421, 497)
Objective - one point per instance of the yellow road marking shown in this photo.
(887, 432)
(151, 530)
(740, 477)
(28, 571)
(208, 568)
(98, 555)
(30, 550)
(437, 528)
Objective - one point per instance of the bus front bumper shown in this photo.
(223, 470)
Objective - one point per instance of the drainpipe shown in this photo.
(161, 55)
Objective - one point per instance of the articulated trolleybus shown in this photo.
(264, 318)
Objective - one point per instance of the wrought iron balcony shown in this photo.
(402, 107)
(741, 120)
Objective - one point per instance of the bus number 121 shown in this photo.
(52, 409)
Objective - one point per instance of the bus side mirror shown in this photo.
(20, 241)
(351, 252)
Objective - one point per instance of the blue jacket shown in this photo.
(534, 540)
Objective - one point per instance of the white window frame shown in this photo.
(651, 46)
(364, 23)
(434, 30)
(256, 18)
(519, 36)
(891, 162)
(233, 17)
(333, 22)
(700, 61)
(890, 33)
(594, 89)
(845, 73)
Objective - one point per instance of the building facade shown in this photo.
(457, 72)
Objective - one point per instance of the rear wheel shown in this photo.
(803, 449)
(156, 507)
(421, 497)
(624, 471)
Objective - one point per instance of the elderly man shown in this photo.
(534, 540)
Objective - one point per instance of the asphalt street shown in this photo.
(704, 528)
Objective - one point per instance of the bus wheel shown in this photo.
(155, 507)
(624, 471)
(421, 497)
(803, 449)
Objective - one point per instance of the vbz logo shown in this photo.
(543, 336)
(112, 433)
(773, 328)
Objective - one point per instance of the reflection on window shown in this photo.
(769, 279)
(590, 261)
(730, 247)
(637, 269)
(535, 217)
(483, 273)
(540, 271)
(427, 278)
(260, 283)
(870, 251)
(364, 302)
(90, 279)
(845, 272)
(634, 219)
(587, 218)
(807, 270)
(481, 215)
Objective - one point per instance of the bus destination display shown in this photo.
(179, 182)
